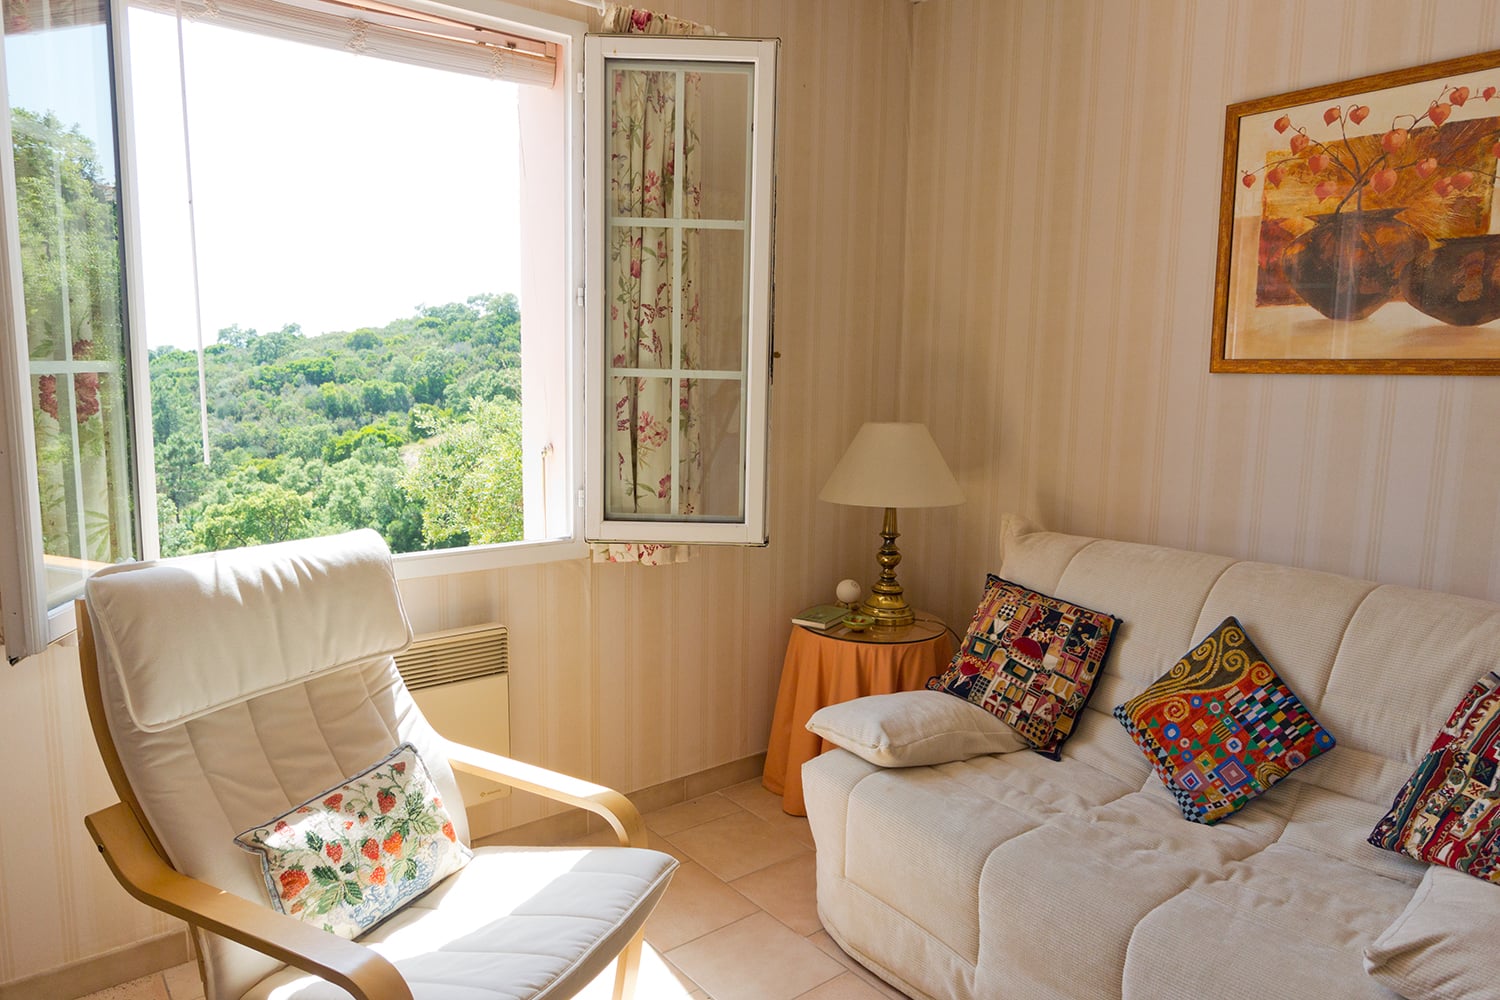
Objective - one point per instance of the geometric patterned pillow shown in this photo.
(1448, 812)
(1031, 660)
(1221, 727)
(351, 856)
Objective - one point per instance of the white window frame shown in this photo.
(761, 56)
(26, 623)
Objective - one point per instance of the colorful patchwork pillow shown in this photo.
(1448, 812)
(1221, 727)
(1031, 660)
(349, 857)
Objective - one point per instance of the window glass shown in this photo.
(68, 215)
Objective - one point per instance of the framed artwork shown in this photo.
(1358, 226)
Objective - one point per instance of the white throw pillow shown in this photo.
(912, 728)
(1442, 945)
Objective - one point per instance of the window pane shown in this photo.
(722, 126)
(712, 456)
(698, 434)
(643, 117)
(641, 281)
(714, 298)
(57, 78)
(640, 447)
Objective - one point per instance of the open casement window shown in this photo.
(69, 506)
(128, 431)
(678, 146)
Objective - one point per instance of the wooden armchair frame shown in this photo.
(139, 863)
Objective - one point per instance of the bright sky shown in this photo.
(332, 190)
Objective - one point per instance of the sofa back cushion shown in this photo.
(1380, 666)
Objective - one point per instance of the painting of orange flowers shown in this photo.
(1357, 226)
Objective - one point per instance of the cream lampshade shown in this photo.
(891, 465)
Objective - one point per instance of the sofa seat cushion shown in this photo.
(925, 834)
(1313, 913)
(1088, 879)
(1443, 944)
(499, 929)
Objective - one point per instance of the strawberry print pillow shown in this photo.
(349, 857)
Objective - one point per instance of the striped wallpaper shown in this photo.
(995, 216)
(1061, 218)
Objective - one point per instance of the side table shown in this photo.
(824, 668)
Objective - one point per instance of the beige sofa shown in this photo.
(1013, 876)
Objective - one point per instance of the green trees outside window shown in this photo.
(413, 429)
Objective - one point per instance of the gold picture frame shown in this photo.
(1359, 228)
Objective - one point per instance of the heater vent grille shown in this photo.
(460, 654)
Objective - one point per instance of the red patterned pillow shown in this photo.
(1448, 812)
(1031, 660)
(1221, 727)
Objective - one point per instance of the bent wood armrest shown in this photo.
(606, 802)
(364, 973)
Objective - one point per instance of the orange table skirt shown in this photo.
(821, 670)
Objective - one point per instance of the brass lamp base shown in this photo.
(886, 603)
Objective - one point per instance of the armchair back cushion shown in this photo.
(238, 684)
(190, 636)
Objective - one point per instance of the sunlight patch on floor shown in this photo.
(658, 980)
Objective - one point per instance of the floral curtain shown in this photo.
(646, 182)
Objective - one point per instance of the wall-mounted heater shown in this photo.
(460, 679)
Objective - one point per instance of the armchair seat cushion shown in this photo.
(505, 927)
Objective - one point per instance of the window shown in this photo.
(345, 296)
(679, 232)
(353, 293)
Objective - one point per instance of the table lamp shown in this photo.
(891, 465)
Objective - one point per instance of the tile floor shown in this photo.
(743, 894)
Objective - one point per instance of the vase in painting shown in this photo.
(1349, 263)
(1457, 281)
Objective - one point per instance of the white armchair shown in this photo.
(227, 688)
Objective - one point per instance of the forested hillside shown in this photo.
(412, 429)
